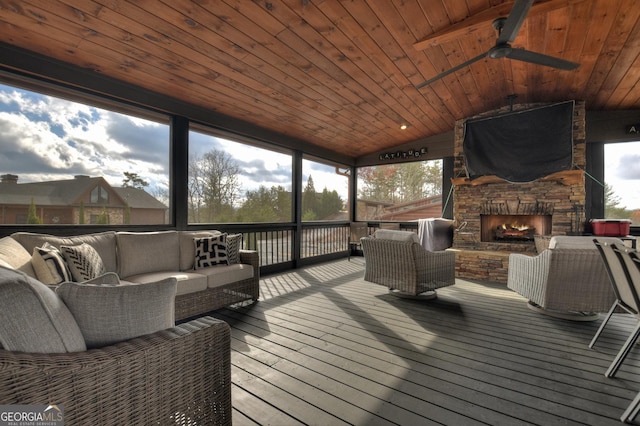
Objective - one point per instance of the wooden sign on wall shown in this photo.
(403, 155)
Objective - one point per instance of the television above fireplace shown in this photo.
(520, 146)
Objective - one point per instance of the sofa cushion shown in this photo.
(13, 255)
(84, 262)
(210, 251)
(187, 282)
(33, 317)
(222, 275)
(103, 242)
(187, 246)
(111, 314)
(142, 252)
(49, 264)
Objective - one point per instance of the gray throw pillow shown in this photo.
(33, 317)
(110, 314)
(84, 262)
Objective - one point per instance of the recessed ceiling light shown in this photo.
(403, 127)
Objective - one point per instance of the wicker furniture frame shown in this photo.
(179, 376)
(406, 266)
(201, 302)
(562, 279)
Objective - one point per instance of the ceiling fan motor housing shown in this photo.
(500, 50)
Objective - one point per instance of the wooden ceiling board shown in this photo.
(339, 74)
(625, 33)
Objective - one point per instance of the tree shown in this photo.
(260, 206)
(612, 209)
(32, 215)
(309, 201)
(379, 183)
(132, 180)
(399, 183)
(411, 180)
(213, 187)
(330, 204)
(266, 205)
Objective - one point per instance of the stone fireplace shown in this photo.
(495, 218)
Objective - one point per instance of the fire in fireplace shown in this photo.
(513, 228)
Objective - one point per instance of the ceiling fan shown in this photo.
(507, 31)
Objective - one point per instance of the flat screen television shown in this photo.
(520, 146)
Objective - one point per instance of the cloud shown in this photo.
(629, 167)
(47, 138)
(258, 172)
(145, 141)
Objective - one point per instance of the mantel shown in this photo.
(566, 177)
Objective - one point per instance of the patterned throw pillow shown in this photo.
(84, 262)
(211, 251)
(49, 265)
(234, 243)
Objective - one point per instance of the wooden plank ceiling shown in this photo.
(340, 74)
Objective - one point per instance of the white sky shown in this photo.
(622, 172)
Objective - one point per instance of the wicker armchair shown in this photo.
(568, 279)
(397, 260)
(177, 376)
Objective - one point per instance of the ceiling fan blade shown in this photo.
(540, 59)
(513, 23)
(450, 71)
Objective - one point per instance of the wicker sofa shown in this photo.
(397, 260)
(146, 257)
(568, 279)
(149, 371)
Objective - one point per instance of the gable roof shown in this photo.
(69, 192)
(139, 198)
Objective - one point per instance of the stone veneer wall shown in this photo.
(469, 199)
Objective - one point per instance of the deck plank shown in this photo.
(325, 347)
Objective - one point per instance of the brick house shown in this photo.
(62, 201)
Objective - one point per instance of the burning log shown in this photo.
(515, 232)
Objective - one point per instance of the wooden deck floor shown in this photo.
(324, 347)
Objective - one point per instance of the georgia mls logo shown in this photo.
(31, 415)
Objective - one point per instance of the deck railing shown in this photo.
(276, 243)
